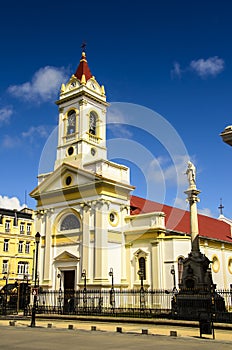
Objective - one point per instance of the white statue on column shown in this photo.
(191, 173)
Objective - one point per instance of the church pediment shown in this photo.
(63, 178)
(66, 256)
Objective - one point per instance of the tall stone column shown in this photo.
(192, 193)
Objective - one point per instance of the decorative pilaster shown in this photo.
(86, 238)
(101, 242)
(47, 247)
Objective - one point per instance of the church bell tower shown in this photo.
(82, 119)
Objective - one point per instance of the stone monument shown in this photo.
(196, 290)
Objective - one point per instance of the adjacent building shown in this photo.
(89, 221)
(16, 246)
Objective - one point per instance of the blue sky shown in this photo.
(170, 57)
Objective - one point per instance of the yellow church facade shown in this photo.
(90, 224)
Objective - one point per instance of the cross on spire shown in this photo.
(221, 207)
(83, 46)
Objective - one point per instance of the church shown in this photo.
(90, 222)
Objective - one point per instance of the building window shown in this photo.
(230, 265)
(70, 222)
(180, 269)
(142, 266)
(7, 226)
(5, 266)
(216, 264)
(22, 227)
(28, 229)
(6, 245)
(27, 247)
(22, 267)
(71, 127)
(20, 247)
(93, 123)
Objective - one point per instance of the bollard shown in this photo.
(144, 331)
(49, 325)
(173, 333)
(12, 323)
(70, 326)
(93, 328)
(119, 329)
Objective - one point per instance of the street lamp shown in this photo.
(60, 294)
(26, 296)
(37, 240)
(83, 275)
(112, 294)
(174, 278)
(142, 294)
(140, 273)
(5, 301)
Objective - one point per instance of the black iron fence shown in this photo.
(136, 303)
(122, 303)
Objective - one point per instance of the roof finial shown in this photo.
(83, 46)
(221, 207)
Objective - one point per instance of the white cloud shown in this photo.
(211, 66)
(10, 203)
(40, 131)
(176, 71)
(44, 85)
(5, 114)
(173, 173)
(32, 135)
(117, 123)
(205, 211)
(10, 142)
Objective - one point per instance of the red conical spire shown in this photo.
(83, 69)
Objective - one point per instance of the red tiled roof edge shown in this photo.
(178, 220)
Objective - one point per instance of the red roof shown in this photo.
(179, 220)
(83, 68)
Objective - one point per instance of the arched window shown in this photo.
(71, 127)
(142, 266)
(70, 222)
(180, 270)
(93, 123)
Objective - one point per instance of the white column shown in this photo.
(47, 248)
(86, 239)
(101, 243)
(193, 199)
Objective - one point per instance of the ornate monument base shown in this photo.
(197, 295)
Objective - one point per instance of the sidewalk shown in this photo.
(223, 332)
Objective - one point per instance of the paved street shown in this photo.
(42, 338)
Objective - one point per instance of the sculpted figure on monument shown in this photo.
(191, 173)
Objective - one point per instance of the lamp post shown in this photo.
(83, 275)
(112, 293)
(142, 295)
(5, 299)
(37, 240)
(26, 291)
(174, 279)
(60, 294)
